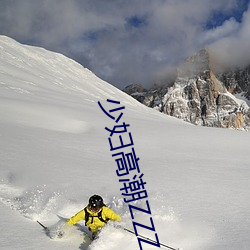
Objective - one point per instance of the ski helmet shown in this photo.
(95, 202)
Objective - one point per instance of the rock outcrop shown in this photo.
(199, 96)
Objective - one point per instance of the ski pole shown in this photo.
(151, 239)
(45, 228)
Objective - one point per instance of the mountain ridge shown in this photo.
(201, 95)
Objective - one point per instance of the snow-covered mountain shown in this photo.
(201, 95)
(237, 81)
(55, 153)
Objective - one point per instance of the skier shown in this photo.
(95, 214)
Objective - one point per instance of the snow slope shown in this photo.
(55, 153)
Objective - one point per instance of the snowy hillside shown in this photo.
(55, 154)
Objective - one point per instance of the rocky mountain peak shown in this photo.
(200, 96)
(196, 64)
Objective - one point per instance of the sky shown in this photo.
(136, 41)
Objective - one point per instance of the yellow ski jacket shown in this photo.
(94, 223)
